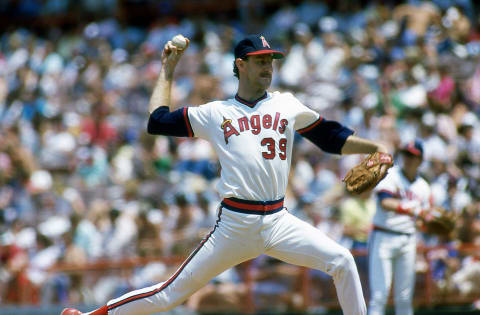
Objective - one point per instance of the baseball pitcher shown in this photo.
(252, 134)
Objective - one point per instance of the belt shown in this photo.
(253, 207)
(379, 228)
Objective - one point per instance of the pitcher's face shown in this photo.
(258, 71)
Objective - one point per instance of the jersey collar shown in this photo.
(250, 104)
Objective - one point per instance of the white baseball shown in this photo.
(179, 41)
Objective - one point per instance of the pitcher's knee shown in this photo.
(343, 263)
(345, 260)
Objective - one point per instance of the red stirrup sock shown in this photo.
(101, 311)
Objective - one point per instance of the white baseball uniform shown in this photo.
(254, 143)
(392, 244)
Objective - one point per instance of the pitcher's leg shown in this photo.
(404, 280)
(216, 253)
(379, 273)
(297, 242)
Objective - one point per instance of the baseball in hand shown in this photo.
(179, 41)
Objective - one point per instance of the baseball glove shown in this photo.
(439, 221)
(368, 173)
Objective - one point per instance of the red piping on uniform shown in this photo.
(308, 128)
(153, 292)
(170, 280)
(187, 122)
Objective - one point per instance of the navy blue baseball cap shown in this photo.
(256, 45)
(414, 148)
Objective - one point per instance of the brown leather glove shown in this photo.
(368, 173)
(439, 221)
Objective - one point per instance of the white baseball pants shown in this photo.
(238, 237)
(391, 256)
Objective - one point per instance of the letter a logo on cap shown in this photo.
(264, 42)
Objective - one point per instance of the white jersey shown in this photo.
(396, 184)
(253, 143)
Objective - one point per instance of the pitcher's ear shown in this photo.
(239, 62)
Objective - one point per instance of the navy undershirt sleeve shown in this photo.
(164, 122)
(383, 194)
(328, 135)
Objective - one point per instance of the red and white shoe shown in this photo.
(71, 311)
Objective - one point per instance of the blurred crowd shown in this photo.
(81, 181)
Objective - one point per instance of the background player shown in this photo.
(252, 135)
(401, 196)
